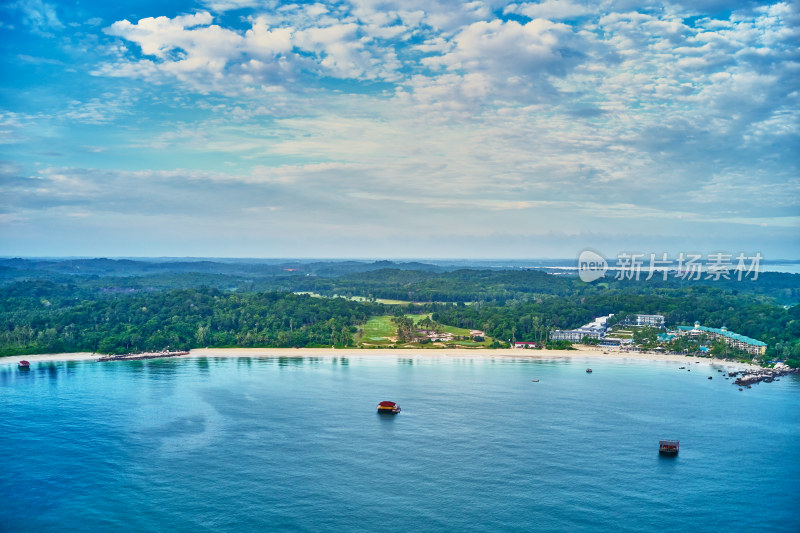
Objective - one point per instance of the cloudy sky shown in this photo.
(399, 128)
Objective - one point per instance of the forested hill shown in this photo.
(409, 281)
(509, 285)
(46, 309)
(18, 268)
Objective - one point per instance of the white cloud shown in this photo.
(550, 9)
(626, 112)
(40, 16)
(338, 47)
(504, 60)
(221, 6)
(265, 42)
(509, 47)
(101, 110)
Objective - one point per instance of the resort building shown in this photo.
(571, 335)
(595, 329)
(655, 321)
(434, 336)
(525, 344)
(615, 341)
(735, 340)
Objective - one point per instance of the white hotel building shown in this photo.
(595, 330)
(656, 321)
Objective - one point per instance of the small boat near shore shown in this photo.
(588, 370)
(388, 408)
(24, 365)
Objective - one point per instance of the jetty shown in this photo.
(144, 355)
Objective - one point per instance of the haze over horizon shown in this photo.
(486, 129)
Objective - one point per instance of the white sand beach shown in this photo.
(50, 357)
(582, 352)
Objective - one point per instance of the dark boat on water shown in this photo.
(388, 408)
(668, 447)
(588, 370)
(24, 365)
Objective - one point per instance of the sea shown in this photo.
(296, 444)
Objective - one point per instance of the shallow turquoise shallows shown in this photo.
(296, 444)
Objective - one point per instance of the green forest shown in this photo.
(113, 307)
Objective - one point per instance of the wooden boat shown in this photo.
(668, 447)
(388, 408)
(24, 364)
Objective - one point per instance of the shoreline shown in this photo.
(454, 353)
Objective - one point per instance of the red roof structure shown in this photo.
(387, 404)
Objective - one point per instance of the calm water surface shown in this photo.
(295, 444)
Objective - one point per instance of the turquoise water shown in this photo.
(295, 444)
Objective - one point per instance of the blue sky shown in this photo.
(399, 129)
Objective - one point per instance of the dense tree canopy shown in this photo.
(45, 317)
(50, 311)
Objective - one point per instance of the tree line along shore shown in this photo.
(176, 310)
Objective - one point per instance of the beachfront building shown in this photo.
(735, 340)
(571, 335)
(595, 329)
(525, 344)
(655, 321)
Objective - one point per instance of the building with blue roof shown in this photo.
(735, 340)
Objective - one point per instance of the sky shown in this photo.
(399, 128)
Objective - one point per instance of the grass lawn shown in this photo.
(380, 330)
(621, 333)
(456, 331)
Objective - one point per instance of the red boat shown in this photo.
(389, 408)
(668, 447)
(24, 364)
